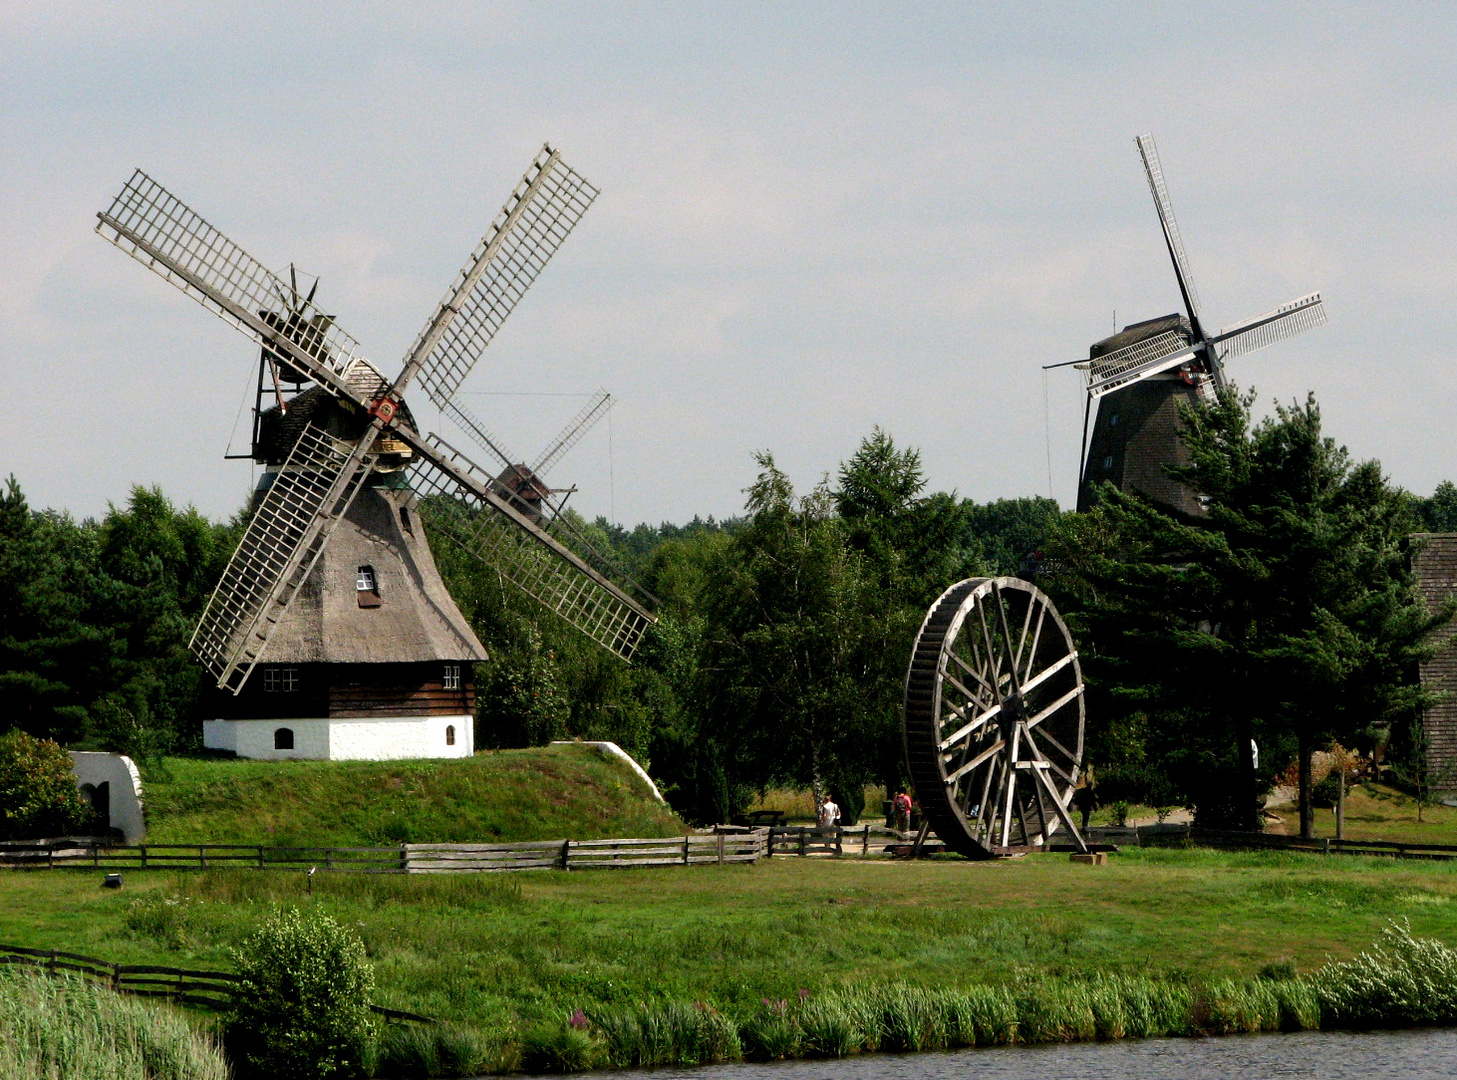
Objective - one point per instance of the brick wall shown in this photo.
(1434, 562)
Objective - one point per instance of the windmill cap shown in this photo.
(1140, 331)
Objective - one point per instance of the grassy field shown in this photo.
(540, 794)
(496, 950)
(1381, 813)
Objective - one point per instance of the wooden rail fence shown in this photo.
(810, 840)
(692, 850)
(1172, 835)
(206, 989)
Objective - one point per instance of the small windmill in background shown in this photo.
(1140, 376)
(527, 484)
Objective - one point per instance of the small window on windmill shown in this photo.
(405, 518)
(1108, 462)
(1113, 420)
(449, 734)
(283, 738)
(452, 677)
(280, 680)
(366, 587)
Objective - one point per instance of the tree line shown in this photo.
(1217, 648)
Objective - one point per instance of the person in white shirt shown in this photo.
(829, 813)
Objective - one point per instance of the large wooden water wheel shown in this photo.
(994, 719)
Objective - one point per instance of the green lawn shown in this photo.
(1381, 813)
(550, 793)
(489, 949)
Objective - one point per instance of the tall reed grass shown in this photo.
(61, 1026)
(1399, 981)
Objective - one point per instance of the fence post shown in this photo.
(404, 859)
(566, 854)
(720, 849)
(260, 856)
(801, 843)
(865, 845)
(685, 851)
(839, 840)
(202, 856)
(144, 856)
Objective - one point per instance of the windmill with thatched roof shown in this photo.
(331, 634)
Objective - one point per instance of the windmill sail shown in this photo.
(162, 233)
(578, 426)
(309, 495)
(1136, 362)
(475, 427)
(540, 214)
(461, 503)
(1284, 322)
(321, 475)
(1151, 166)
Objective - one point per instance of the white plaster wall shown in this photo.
(386, 740)
(344, 739)
(254, 738)
(125, 790)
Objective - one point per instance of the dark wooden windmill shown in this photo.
(333, 591)
(1140, 376)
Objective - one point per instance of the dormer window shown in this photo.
(366, 587)
(452, 677)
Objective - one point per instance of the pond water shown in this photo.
(1428, 1054)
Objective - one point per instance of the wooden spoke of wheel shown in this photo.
(994, 718)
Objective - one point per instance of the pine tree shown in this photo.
(1285, 613)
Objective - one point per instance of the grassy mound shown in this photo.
(549, 793)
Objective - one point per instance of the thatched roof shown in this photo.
(415, 620)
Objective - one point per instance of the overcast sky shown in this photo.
(814, 218)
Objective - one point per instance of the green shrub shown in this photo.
(38, 795)
(301, 1007)
(1324, 792)
(61, 1027)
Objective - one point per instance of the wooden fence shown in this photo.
(809, 840)
(692, 850)
(207, 989)
(1175, 835)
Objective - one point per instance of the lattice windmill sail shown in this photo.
(1139, 376)
(526, 484)
(367, 432)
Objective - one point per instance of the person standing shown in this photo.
(901, 804)
(1085, 794)
(829, 813)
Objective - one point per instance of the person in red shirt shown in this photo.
(901, 804)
